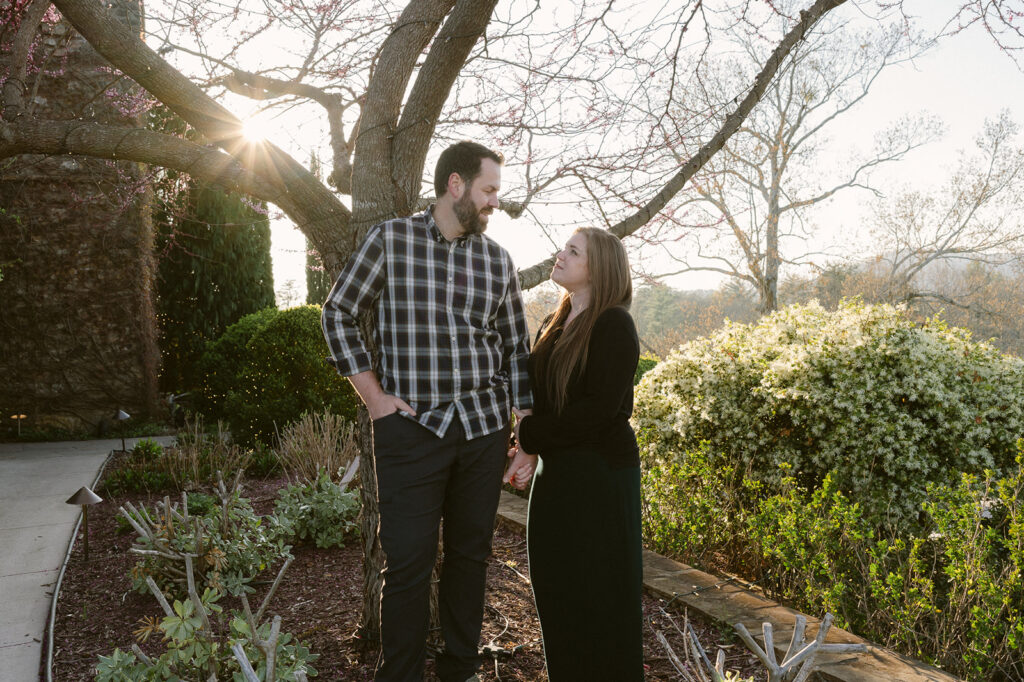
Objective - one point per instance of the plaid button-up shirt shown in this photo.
(450, 324)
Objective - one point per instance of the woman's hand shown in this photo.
(521, 469)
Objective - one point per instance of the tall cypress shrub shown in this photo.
(214, 268)
(318, 281)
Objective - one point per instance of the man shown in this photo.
(453, 342)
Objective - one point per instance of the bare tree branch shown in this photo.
(538, 273)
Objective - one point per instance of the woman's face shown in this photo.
(571, 271)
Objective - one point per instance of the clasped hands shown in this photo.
(520, 469)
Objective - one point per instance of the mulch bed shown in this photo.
(320, 599)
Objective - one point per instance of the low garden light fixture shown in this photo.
(85, 497)
(122, 417)
(18, 418)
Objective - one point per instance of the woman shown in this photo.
(583, 534)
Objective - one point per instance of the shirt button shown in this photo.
(450, 278)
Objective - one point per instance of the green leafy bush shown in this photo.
(692, 508)
(643, 366)
(130, 480)
(951, 593)
(863, 394)
(147, 450)
(141, 471)
(201, 504)
(196, 458)
(317, 512)
(277, 371)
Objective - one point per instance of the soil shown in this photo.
(320, 600)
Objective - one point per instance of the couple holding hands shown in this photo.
(454, 359)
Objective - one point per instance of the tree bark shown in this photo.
(374, 190)
(466, 23)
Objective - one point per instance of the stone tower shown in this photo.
(78, 336)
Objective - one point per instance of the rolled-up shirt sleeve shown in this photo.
(515, 337)
(357, 287)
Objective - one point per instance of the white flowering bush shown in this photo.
(881, 403)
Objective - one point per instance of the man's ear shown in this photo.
(455, 185)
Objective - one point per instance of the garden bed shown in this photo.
(319, 601)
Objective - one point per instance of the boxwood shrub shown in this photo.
(268, 369)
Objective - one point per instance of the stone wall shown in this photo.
(77, 324)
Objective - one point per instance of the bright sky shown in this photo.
(965, 80)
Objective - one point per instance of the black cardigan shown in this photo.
(599, 401)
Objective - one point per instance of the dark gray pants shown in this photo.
(420, 480)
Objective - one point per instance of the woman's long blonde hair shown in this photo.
(559, 357)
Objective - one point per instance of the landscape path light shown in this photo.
(85, 497)
(122, 417)
(18, 418)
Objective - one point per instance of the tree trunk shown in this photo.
(373, 555)
(388, 168)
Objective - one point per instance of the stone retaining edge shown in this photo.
(730, 604)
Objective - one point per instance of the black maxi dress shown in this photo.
(583, 533)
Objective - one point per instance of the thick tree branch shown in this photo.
(447, 55)
(14, 86)
(373, 169)
(123, 48)
(82, 138)
(256, 86)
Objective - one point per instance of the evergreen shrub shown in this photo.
(864, 395)
(214, 267)
(222, 362)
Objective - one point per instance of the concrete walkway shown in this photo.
(35, 529)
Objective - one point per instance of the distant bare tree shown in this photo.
(745, 213)
(974, 217)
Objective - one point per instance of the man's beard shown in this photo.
(468, 215)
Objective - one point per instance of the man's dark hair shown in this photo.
(463, 158)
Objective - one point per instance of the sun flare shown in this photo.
(255, 130)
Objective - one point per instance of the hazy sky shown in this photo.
(963, 81)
